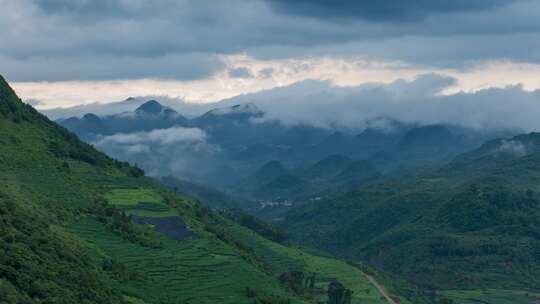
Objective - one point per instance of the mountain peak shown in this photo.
(427, 135)
(150, 107)
(270, 170)
(336, 158)
(329, 166)
(91, 117)
(245, 108)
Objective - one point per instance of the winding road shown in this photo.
(381, 290)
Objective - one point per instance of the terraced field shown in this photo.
(197, 270)
(279, 258)
(141, 202)
(56, 197)
(276, 258)
(134, 197)
(200, 270)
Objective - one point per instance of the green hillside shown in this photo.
(274, 182)
(474, 224)
(68, 233)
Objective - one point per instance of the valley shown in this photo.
(84, 209)
(266, 163)
(269, 152)
(395, 211)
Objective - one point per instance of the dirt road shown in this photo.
(379, 288)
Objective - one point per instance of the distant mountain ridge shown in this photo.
(148, 116)
(274, 181)
(240, 141)
(80, 227)
(152, 107)
(473, 223)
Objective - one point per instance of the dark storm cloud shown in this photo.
(381, 10)
(108, 39)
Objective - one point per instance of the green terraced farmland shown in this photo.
(65, 241)
(280, 258)
(133, 197)
(491, 296)
(201, 270)
(140, 202)
(150, 213)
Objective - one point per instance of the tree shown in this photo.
(338, 294)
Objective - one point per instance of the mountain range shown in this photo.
(148, 116)
(273, 180)
(80, 227)
(473, 223)
(236, 142)
(436, 213)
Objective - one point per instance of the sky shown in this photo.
(71, 52)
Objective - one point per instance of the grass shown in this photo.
(140, 202)
(149, 213)
(491, 296)
(200, 270)
(133, 197)
(280, 258)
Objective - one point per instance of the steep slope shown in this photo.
(269, 171)
(40, 260)
(264, 177)
(284, 186)
(495, 152)
(225, 146)
(69, 231)
(273, 181)
(214, 197)
(151, 107)
(86, 127)
(335, 143)
(473, 224)
(328, 167)
(420, 146)
(357, 172)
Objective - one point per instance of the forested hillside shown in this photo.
(475, 223)
(79, 227)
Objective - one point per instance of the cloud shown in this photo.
(176, 150)
(418, 101)
(128, 105)
(391, 11)
(169, 136)
(266, 72)
(240, 72)
(513, 147)
(126, 39)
